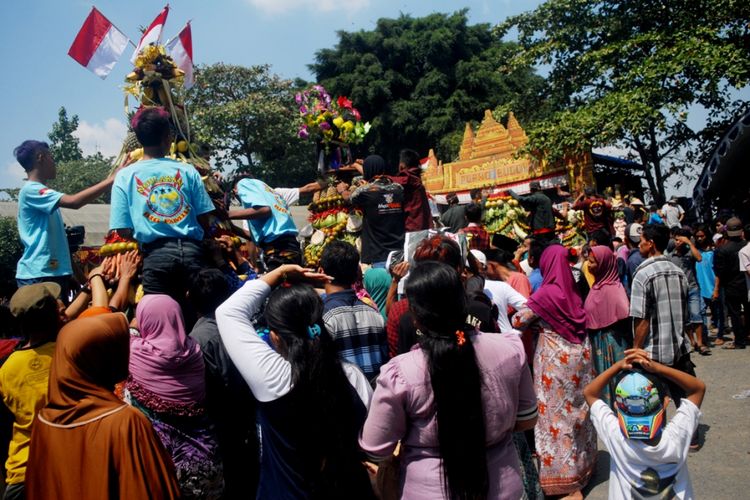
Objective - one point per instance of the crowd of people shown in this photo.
(467, 369)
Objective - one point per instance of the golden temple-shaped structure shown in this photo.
(491, 158)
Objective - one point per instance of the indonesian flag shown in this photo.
(153, 33)
(98, 44)
(181, 50)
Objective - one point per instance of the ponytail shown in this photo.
(438, 302)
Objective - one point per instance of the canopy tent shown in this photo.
(725, 180)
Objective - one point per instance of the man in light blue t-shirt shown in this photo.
(270, 222)
(46, 256)
(163, 204)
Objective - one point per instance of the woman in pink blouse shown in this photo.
(453, 401)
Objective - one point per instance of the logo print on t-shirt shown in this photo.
(596, 208)
(164, 199)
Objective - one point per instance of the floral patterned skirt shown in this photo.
(565, 438)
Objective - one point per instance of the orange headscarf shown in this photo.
(91, 356)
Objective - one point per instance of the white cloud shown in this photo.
(103, 138)
(283, 6)
(12, 175)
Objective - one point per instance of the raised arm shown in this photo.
(86, 196)
(266, 372)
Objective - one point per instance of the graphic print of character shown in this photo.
(164, 196)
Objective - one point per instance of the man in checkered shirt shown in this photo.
(658, 305)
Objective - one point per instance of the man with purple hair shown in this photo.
(163, 204)
(46, 256)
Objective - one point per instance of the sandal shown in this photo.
(719, 342)
(704, 350)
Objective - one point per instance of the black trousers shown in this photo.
(735, 303)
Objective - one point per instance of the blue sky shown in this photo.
(39, 76)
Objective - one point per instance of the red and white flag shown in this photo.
(153, 33)
(181, 50)
(98, 44)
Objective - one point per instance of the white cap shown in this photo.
(479, 256)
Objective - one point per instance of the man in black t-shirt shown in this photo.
(731, 279)
(382, 204)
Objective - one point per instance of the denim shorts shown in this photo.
(695, 306)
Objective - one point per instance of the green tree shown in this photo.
(418, 80)
(63, 144)
(248, 117)
(76, 175)
(11, 250)
(626, 73)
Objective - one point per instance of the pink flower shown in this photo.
(303, 133)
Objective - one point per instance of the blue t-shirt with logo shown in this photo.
(40, 225)
(256, 194)
(159, 198)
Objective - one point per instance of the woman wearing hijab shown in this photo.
(87, 443)
(167, 383)
(565, 439)
(377, 282)
(607, 309)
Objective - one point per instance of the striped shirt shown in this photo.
(358, 331)
(659, 293)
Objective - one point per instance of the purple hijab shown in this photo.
(163, 359)
(557, 301)
(607, 303)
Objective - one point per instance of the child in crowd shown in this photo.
(648, 458)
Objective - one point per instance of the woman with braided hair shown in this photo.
(453, 401)
(311, 406)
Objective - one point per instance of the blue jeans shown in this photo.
(169, 264)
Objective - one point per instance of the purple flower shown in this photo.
(298, 98)
(303, 110)
(303, 133)
(325, 126)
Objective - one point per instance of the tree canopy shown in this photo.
(11, 250)
(418, 80)
(626, 73)
(248, 118)
(64, 145)
(76, 175)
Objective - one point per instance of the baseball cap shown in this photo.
(479, 255)
(734, 227)
(639, 405)
(673, 199)
(31, 297)
(636, 202)
(633, 232)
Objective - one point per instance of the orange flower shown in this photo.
(542, 408)
(564, 358)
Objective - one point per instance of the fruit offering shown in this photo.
(504, 215)
(331, 218)
(115, 244)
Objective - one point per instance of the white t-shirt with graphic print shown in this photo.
(639, 471)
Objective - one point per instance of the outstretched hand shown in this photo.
(293, 273)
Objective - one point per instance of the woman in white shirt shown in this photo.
(311, 406)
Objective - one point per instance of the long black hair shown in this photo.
(333, 413)
(438, 302)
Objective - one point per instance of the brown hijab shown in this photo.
(86, 443)
(91, 356)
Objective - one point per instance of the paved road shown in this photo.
(721, 468)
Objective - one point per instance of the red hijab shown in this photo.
(607, 303)
(557, 301)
